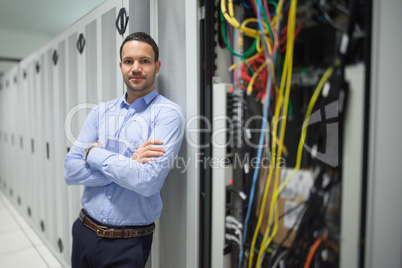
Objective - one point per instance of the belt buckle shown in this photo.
(99, 228)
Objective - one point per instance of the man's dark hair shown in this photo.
(142, 37)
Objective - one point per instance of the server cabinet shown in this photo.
(60, 239)
(90, 76)
(9, 119)
(40, 204)
(28, 69)
(25, 195)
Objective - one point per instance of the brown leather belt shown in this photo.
(124, 232)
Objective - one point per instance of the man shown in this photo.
(119, 160)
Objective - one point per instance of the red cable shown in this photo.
(297, 31)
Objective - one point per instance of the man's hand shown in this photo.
(95, 144)
(147, 151)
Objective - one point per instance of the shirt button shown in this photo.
(110, 197)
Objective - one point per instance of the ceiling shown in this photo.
(39, 20)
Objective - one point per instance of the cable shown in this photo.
(231, 237)
(237, 79)
(277, 190)
(284, 100)
(280, 258)
(235, 221)
(268, 21)
(250, 85)
(297, 31)
(287, 74)
(248, 53)
(313, 249)
(229, 16)
(256, 170)
(259, 153)
(329, 19)
(313, 100)
(247, 5)
(253, 57)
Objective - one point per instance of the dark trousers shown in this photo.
(89, 250)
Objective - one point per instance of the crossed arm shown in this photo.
(77, 171)
(145, 153)
(143, 172)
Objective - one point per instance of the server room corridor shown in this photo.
(20, 247)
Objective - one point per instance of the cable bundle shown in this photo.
(258, 72)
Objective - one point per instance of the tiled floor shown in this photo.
(20, 247)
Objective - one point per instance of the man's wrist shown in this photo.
(86, 152)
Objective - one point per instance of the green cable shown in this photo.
(248, 53)
(290, 109)
(266, 19)
(243, 57)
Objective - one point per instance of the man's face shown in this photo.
(138, 66)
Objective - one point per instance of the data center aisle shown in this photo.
(20, 247)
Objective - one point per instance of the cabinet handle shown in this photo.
(81, 43)
(122, 21)
(55, 57)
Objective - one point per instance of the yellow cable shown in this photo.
(267, 184)
(229, 16)
(250, 85)
(259, 46)
(231, 20)
(272, 164)
(262, 66)
(277, 190)
(285, 76)
(313, 100)
(273, 161)
(268, 40)
(256, 55)
(289, 58)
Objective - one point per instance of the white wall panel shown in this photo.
(14, 190)
(91, 63)
(39, 207)
(2, 133)
(23, 131)
(12, 156)
(109, 40)
(50, 193)
(59, 220)
(11, 119)
(139, 16)
(384, 199)
(171, 38)
(29, 90)
(73, 194)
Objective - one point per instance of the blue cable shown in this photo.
(259, 19)
(247, 5)
(261, 140)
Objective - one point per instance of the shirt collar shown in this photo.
(147, 98)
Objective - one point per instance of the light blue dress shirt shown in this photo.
(119, 190)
